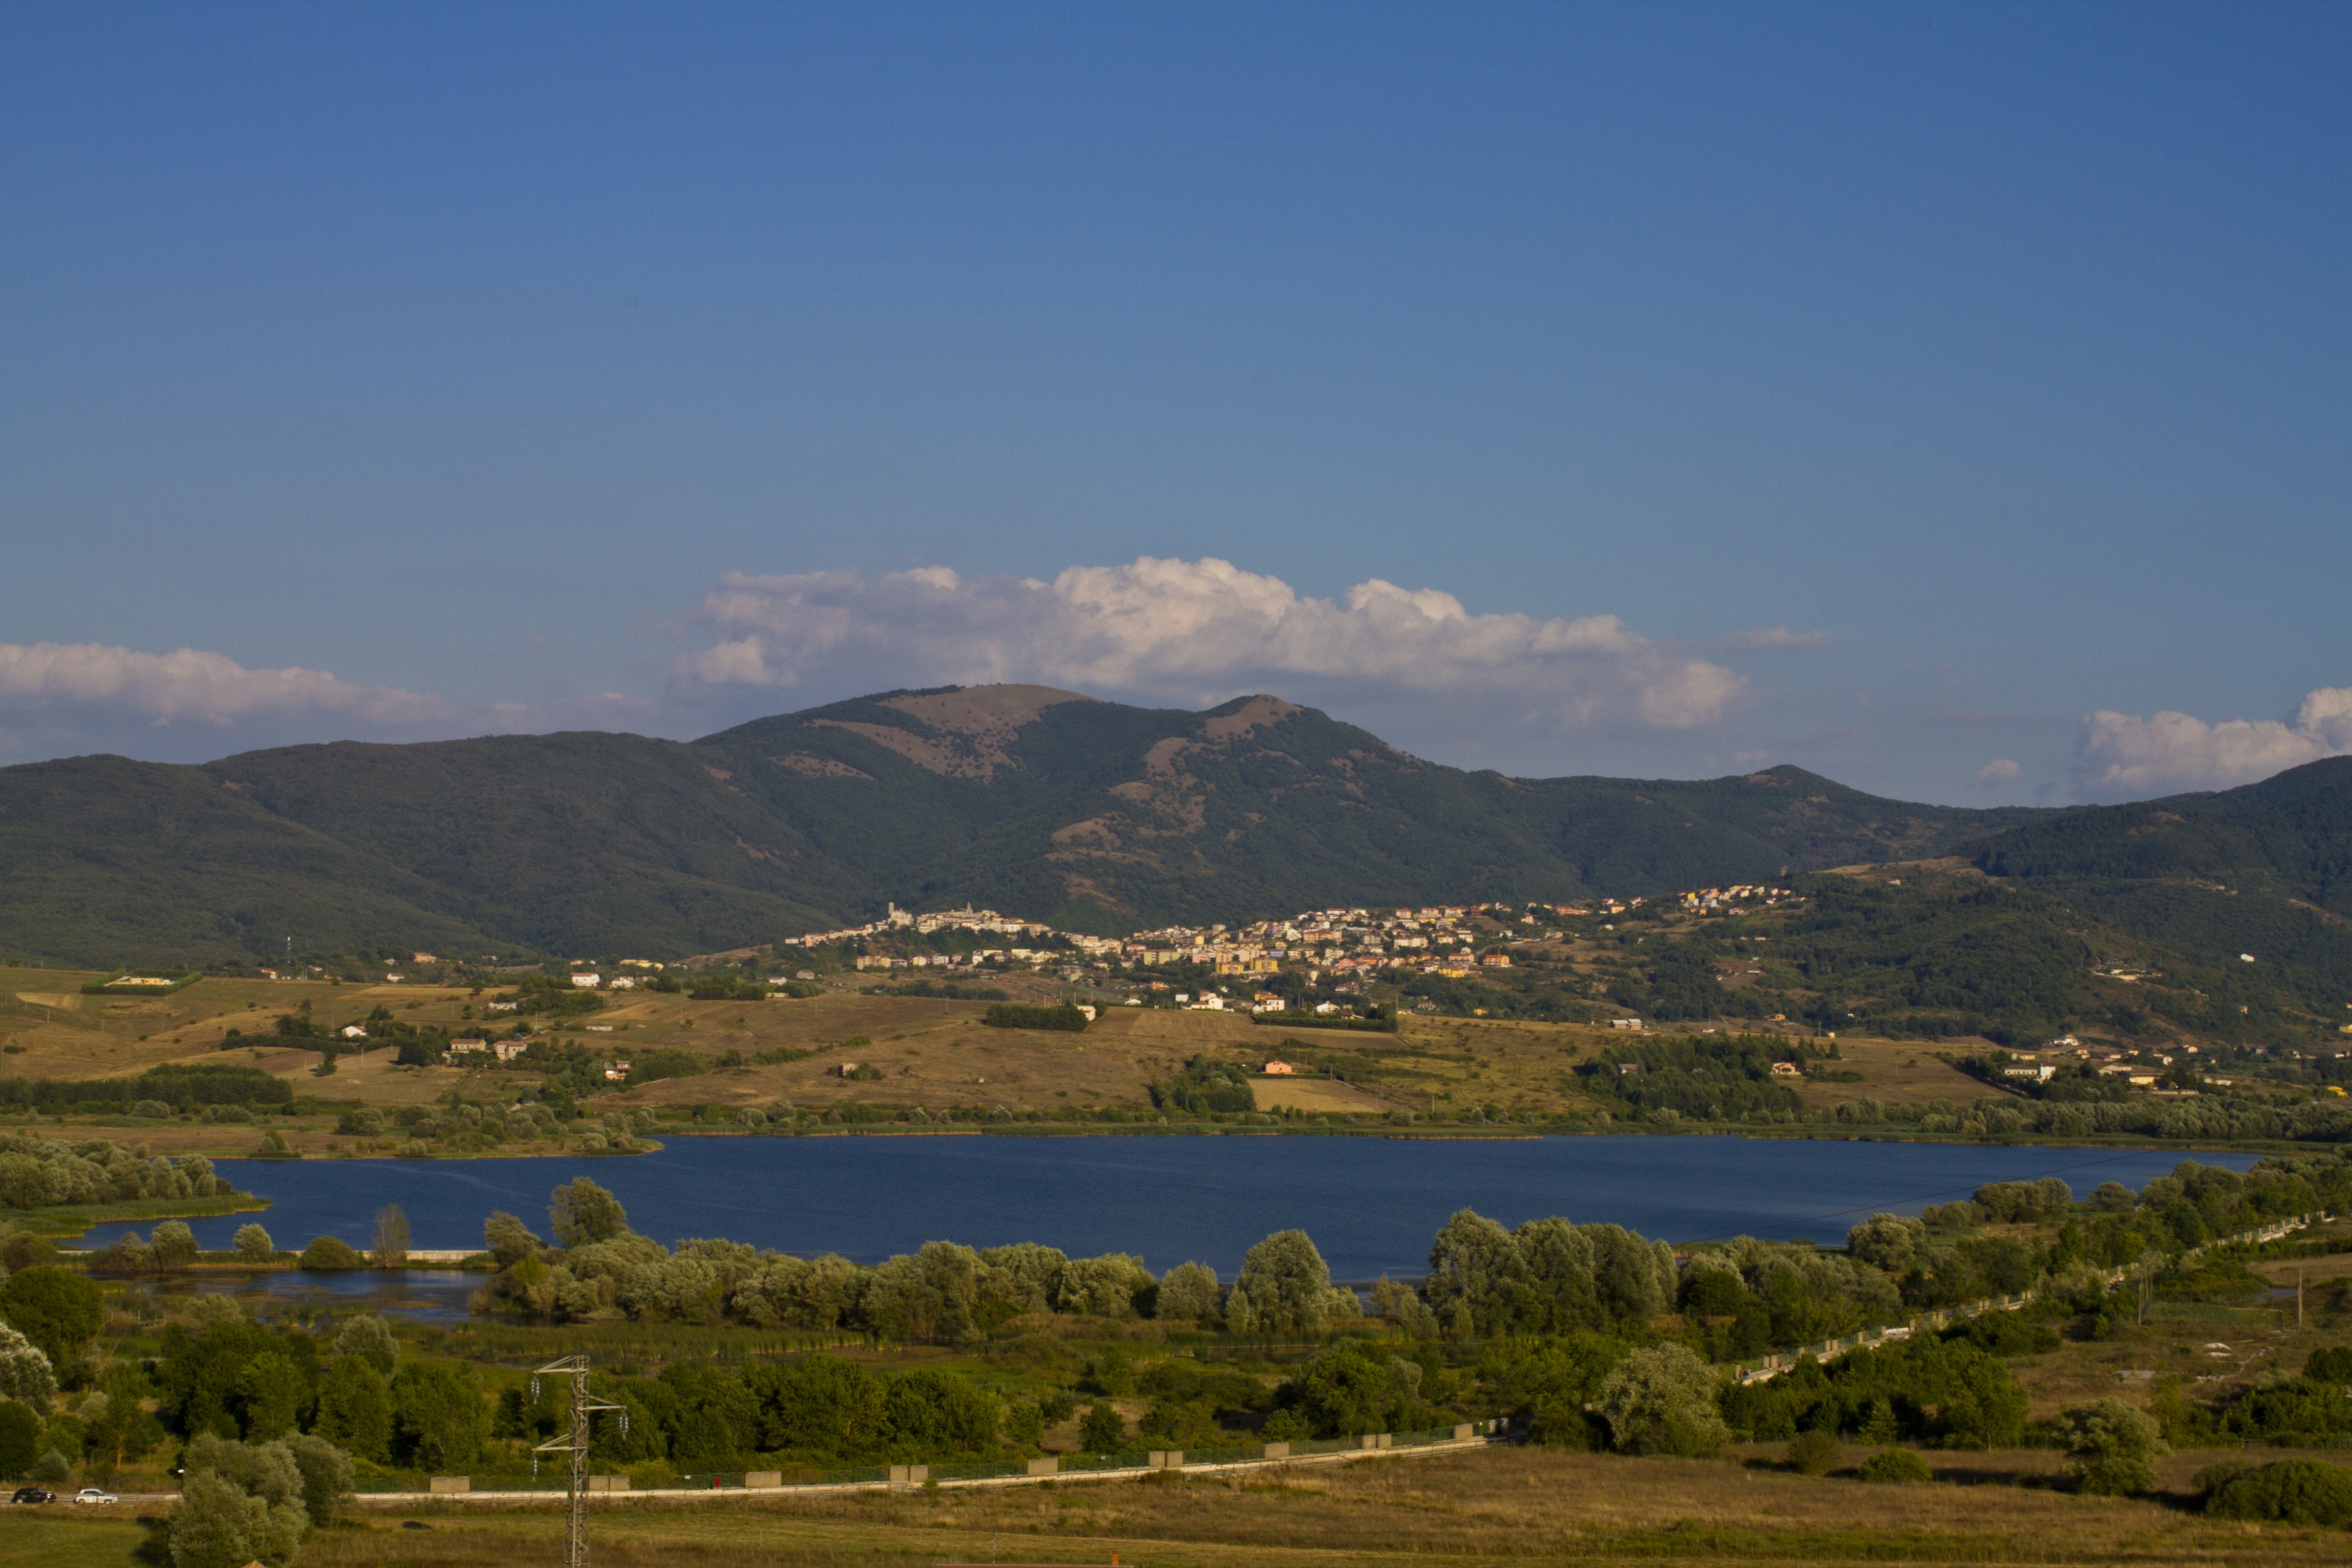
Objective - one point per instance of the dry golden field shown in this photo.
(1503, 1505)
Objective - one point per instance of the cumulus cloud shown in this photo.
(191, 705)
(162, 688)
(2000, 770)
(1194, 632)
(2123, 754)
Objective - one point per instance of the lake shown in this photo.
(1370, 1204)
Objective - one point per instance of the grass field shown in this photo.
(1500, 1505)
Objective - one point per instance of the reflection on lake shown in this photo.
(1370, 1204)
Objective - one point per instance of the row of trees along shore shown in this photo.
(1586, 1335)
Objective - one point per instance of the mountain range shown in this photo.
(1093, 816)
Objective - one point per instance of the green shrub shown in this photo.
(1815, 1453)
(328, 1254)
(1102, 1432)
(2292, 1491)
(1021, 1015)
(2111, 1447)
(1896, 1465)
(667, 1062)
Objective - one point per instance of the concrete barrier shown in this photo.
(608, 1483)
(1275, 1451)
(909, 1475)
(763, 1478)
(1462, 1432)
(1048, 1466)
(1166, 1459)
(445, 1486)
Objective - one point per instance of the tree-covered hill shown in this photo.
(2253, 885)
(1094, 816)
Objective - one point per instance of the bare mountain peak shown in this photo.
(1237, 719)
(982, 710)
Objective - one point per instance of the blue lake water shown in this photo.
(1371, 1204)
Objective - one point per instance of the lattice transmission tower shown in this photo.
(575, 1444)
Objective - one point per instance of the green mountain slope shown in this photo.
(1092, 815)
(108, 861)
(2261, 872)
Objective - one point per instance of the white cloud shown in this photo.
(2000, 770)
(191, 705)
(1194, 632)
(2123, 754)
(162, 688)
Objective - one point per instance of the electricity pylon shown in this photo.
(575, 1367)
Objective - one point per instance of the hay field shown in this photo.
(1502, 1505)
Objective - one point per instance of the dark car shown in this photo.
(33, 1494)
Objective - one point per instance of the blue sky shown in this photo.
(1935, 398)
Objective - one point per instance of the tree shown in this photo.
(173, 1245)
(238, 1504)
(254, 1246)
(1661, 1401)
(437, 1418)
(272, 1392)
(2112, 1448)
(1887, 1241)
(1474, 1263)
(1102, 1432)
(356, 1409)
(20, 1437)
(581, 1212)
(1187, 1291)
(508, 1239)
(55, 1308)
(369, 1337)
(390, 1238)
(25, 1373)
(116, 1429)
(332, 1254)
(1289, 1285)
(2296, 1491)
(1356, 1386)
(326, 1472)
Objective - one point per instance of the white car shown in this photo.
(91, 1494)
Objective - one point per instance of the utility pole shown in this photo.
(575, 1367)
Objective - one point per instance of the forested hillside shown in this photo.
(2250, 890)
(1090, 815)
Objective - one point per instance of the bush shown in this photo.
(1661, 1401)
(328, 1254)
(239, 1504)
(2293, 1492)
(1021, 1015)
(55, 1308)
(1102, 1432)
(254, 1246)
(667, 1062)
(25, 1371)
(1815, 1453)
(2112, 1448)
(20, 1437)
(1896, 1465)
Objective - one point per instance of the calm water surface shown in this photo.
(1371, 1204)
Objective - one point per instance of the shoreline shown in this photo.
(1448, 1135)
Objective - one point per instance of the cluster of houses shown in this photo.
(1342, 941)
(1733, 900)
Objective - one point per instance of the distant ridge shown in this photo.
(1094, 815)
